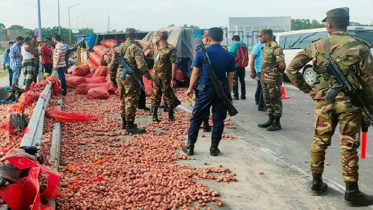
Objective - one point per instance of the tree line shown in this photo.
(49, 32)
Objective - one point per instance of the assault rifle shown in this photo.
(127, 70)
(217, 84)
(344, 85)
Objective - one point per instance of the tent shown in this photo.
(182, 39)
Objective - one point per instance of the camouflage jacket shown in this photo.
(163, 58)
(134, 56)
(271, 55)
(355, 63)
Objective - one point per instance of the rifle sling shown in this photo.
(338, 51)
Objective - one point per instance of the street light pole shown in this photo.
(69, 22)
(355, 20)
(77, 17)
(39, 17)
(84, 22)
(59, 25)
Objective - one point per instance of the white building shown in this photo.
(248, 27)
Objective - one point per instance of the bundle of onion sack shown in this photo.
(62, 116)
(74, 81)
(98, 93)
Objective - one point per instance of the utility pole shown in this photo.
(69, 22)
(39, 14)
(59, 25)
(108, 23)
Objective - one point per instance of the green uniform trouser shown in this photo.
(327, 116)
(130, 91)
(164, 88)
(272, 96)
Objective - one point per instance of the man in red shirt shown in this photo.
(47, 55)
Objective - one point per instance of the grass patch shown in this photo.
(3, 73)
(2, 49)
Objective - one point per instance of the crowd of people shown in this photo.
(24, 55)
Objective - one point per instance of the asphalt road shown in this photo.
(293, 142)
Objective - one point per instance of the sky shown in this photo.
(154, 14)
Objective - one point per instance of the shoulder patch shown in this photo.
(274, 44)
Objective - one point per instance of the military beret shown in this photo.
(338, 12)
(265, 31)
(130, 31)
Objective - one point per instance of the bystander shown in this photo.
(255, 73)
(6, 63)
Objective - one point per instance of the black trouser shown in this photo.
(48, 68)
(142, 100)
(239, 76)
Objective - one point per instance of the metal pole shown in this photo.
(39, 14)
(69, 29)
(76, 24)
(59, 25)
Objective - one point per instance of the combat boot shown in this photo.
(268, 123)
(206, 125)
(189, 148)
(132, 128)
(276, 125)
(171, 116)
(177, 102)
(355, 197)
(124, 123)
(166, 108)
(214, 150)
(318, 186)
(155, 114)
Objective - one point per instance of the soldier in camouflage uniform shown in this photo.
(164, 71)
(354, 59)
(273, 67)
(128, 88)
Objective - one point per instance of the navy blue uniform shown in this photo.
(222, 62)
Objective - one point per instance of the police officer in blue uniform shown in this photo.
(223, 64)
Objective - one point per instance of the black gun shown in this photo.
(344, 85)
(217, 84)
(127, 70)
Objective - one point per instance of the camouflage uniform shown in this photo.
(356, 64)
(128, 88)
(271, 77)
(163, 58)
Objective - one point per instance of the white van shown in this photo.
(294, 41)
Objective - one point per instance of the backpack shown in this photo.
(242, 56)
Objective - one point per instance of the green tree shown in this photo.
(172, 25)
(191, 27)
(224, 28)
(301, 24)
(2, 25)
(15, 27)
(371, 24)
(86, 31)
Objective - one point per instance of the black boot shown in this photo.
(124, 123)
(206, 125)
(147, 109)
(155, 114)
(214, 150)
(318, 186)
(177, 102)
(268, 123)
(171, 116)
(355, 197)
(189, 148)
(132, 128)
(166, 108)
(276, 125)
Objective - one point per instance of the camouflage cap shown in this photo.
(162, 32)
(265, 31)
(338, 12)
(130, 31)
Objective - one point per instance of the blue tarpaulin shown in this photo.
(90, 40)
